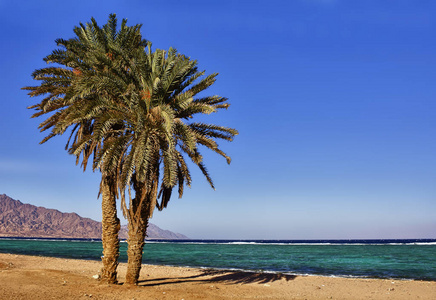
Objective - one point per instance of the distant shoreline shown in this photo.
(258, 241)
(74, 239)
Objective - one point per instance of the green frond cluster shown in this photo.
(128, 108)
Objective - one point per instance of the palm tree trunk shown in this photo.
(135, 243)
(138, 222)
(110, 229)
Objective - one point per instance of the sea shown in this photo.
(406, 259)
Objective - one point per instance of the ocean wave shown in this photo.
(290, 243)
(241, 243)
(411, 242)
(425, 244)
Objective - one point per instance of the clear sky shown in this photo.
(335, 102)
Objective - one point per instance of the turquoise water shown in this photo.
(416, 260)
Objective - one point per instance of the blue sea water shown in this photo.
(401, 259)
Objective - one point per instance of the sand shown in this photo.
(33, 277)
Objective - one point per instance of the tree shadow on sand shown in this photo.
(216, 276)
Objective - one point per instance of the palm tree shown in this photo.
(154, 102)
(71, 102)
(158, 101)
(129, 109)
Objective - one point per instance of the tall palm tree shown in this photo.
(159, 98)
(72, 103)
(129, 109)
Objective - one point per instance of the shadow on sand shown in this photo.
(226, 277)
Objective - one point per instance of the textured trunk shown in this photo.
(134, 252)
(138, 223)
(110, 229)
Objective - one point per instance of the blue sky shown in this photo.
(334, 102)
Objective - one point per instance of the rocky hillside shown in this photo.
(26, 220)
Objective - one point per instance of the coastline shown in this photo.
(369, 259)
(35, 277)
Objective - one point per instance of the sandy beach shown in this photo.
(33, 277)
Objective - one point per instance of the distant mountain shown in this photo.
(26, 220)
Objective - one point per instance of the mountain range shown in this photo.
(19, 219)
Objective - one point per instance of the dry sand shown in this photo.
(33, 277)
